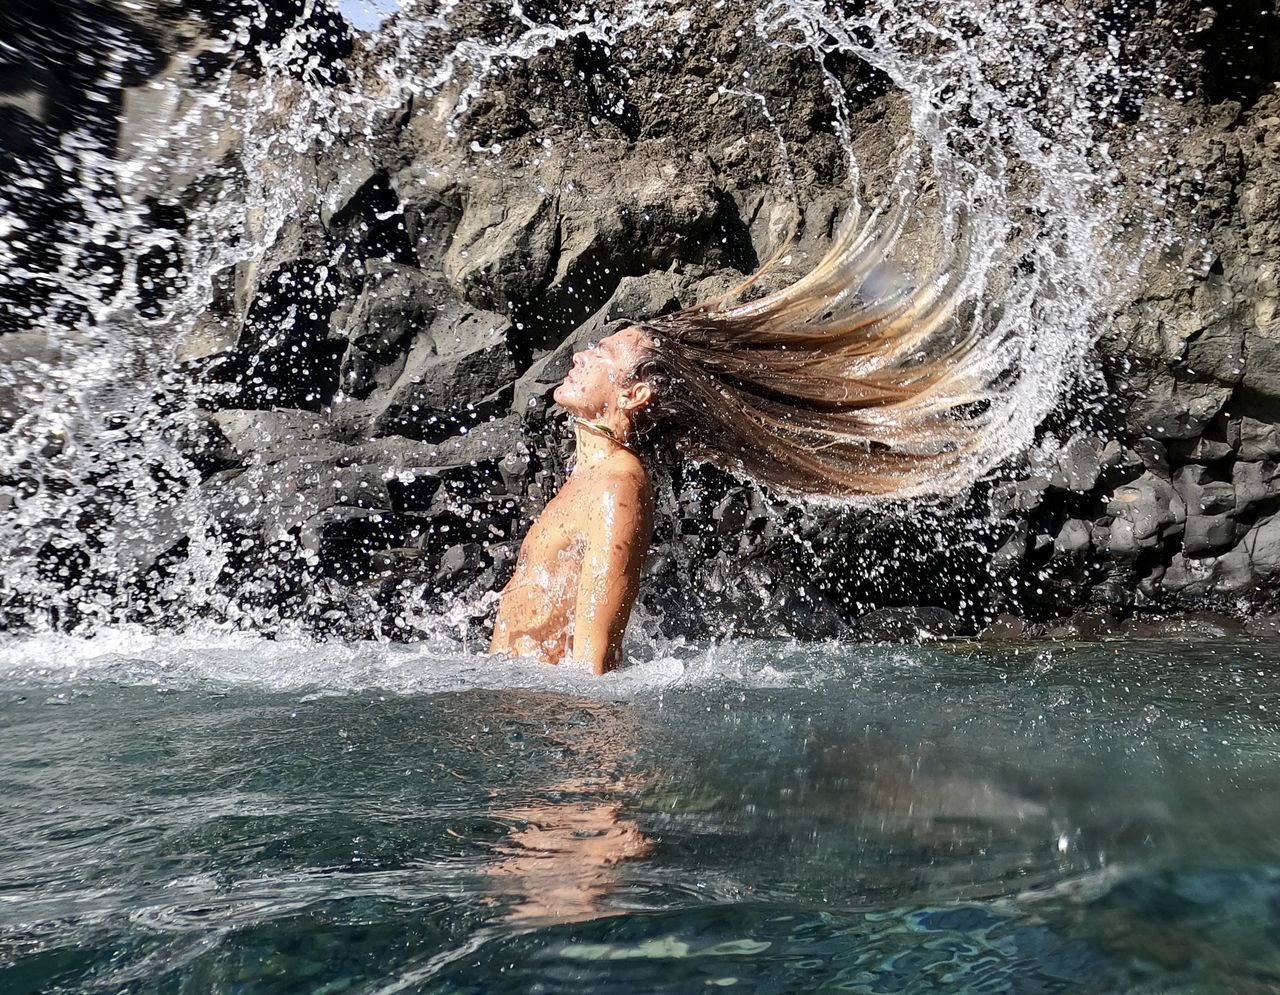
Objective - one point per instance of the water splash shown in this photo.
(1012, 110)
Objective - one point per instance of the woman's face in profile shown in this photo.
(601, 373)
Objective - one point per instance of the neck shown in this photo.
(602, 437)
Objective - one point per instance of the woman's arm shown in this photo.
(617, 538)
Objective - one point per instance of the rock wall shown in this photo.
(1172, 503)
(376, 430)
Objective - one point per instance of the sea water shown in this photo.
(232, 814)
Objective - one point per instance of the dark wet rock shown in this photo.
(445, 386)
(431, 206)
(377, 382)
(730, 513)
(549, 242)
(1113, 586)
(344, 181)
(460, 565)
(495, 442)
(1007, 627)
(801, 615)
(1234, 572)
(1220, 440)
(1143, 514)
(1263, 625)
(1152, 454)
(1254, 483)
(1011, 551)
(1020, 496)
(1201, 577)
(1078, 465)
(1117, 465)
(1208, 534)
(1201, 494)
(1258, 440)
(1262, 545)
(1261, 380)
(1216, 351)
(398, 563)
(397, 304)
(1164, 408)
(514, 469)
(908, 624)
(1083, 625)
(1074, 538)
(640, 298)
(1198, 625)
(501, 252)
(281, 433)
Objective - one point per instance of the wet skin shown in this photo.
(578, 571)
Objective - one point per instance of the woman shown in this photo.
(579, 567)
(848, 384)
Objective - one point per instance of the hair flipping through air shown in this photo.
(849, 383)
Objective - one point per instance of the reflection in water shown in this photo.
(561, 857)
(565, 841)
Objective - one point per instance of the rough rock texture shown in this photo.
(82, 69)
(1170, 504)
(375, 384)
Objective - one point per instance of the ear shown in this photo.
(637, 396)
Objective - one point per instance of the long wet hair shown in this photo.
(850, 383)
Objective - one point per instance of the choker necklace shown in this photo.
(600, 428)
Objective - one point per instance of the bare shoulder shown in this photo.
(623, 487)
(627, 479)
(615, 476)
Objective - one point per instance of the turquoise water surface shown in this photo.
(237, 815)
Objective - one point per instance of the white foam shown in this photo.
(210, 660)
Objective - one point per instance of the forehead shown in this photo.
(629, 340)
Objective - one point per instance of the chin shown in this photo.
(572, 404)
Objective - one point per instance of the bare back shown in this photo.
(579, 568)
